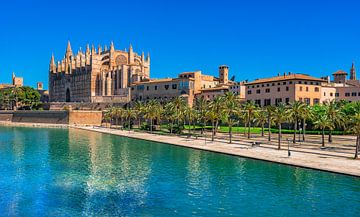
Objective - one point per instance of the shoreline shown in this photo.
(321, 162)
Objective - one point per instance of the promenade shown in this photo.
(314, 158)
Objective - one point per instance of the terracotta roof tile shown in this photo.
(285, 78)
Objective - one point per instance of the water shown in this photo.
(60, 172)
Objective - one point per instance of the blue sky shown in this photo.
(255, 38)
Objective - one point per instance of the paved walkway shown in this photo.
(321, 160)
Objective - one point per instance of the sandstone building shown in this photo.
(96, 76)
(287, 88)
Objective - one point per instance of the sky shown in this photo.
(255, 38)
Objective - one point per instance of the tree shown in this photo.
(280, 116)
(354, 123)
(304, 116)
(261, 118)
(212, 116)
(295, 109)
(202, 105)
(269, 112)
(169, 114)
(322, 121)
(250, 109)
(230, 110)
(217, 106)
(129, 114)
(139, 110)
(190, 115)
(335, 116)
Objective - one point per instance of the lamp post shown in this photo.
(289, 153)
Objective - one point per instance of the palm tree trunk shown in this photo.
(189, 128)
(330, 136)
(213, 131)
(262, 130)
(357, 147)
(269, 129)
(304, 129)
(129, 124)
(249, 127)
(216, 126)
(323, 138)
(295, 128)
(279, 137)
(230, 133)
(151, 125)
(171, 126)
(139, 123)
(245, 125)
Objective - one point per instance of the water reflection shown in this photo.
(55, 172)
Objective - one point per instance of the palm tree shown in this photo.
(335, 115)
(305, 115)
(169, 114)
(322, 122)
(230, 110)
(108, 117)
(269, 112)
(354, 123)
(202, 105)
(294, 111)
(190, 115)
(250, 109)
(217, 106)
(261, 118)
(280, 116)
(139, 110)
(129, 114)
(212, 116)
(150, 112)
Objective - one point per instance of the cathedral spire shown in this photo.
(130, 48)
(52, 63)
(148, 57)
(112, 48)
(87, 49)
(68, 50)
(353, 72)
(92, 49)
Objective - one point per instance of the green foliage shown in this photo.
(20, 97)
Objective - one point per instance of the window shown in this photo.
(284, 83)
(287, 88)
(257, 85)
(249, 92)
(336, 94)
(353, 94)
(273, 84)
(278, 101)
(307, 101)
(305, 82)
(174, 86)
(257, 91)
(262, 85)
(316, 89)
(278, 89)
(155, 87)
(267, 102)
(311, 82)
(258, 102)
(287, 100)
(300, 88)
(300, 99)
(267, 85)
(307, 89)
(316, 101)
(147, 87)
(347, 94)
(279, 83)
(331, 94)
(166, 86)
(300, 82)
(267, 90)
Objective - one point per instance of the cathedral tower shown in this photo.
(224, 74)
(352, 72)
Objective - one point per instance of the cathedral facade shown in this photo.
(97, 75)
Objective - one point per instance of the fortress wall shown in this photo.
(6, 115)
(85, 117)
(53, 117)
(47, 117)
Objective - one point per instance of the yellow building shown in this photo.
(285, 89)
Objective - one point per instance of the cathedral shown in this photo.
(99, 75)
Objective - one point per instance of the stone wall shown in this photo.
(53, 117)
(85, 117)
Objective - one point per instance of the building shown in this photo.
(285, 89)
(15, 82)
(189, 85)
(96, 76)
(346, 89)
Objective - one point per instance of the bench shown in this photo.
(254, 144)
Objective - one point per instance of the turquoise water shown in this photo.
(59, 172)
